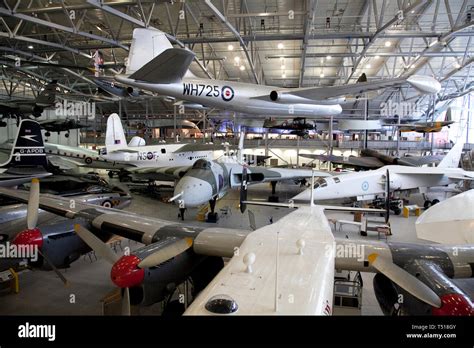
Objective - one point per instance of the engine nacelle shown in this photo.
(132, 92)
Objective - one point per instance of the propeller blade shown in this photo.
(33, 205)
(166, 253)
(96, 244)
(405, 280)
(387, 197)
(126, 302)
(60, 275)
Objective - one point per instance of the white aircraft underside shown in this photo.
(240, 98)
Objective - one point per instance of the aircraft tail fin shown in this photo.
(452, 158)
(362, 78)
(448, 116)
(47, 97)
(115, 136)
(28, 149)
(169, 67)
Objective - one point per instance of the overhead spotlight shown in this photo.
(242, 68)
(368, 66)
(377, 57)
(283, 67)
(283, 75)
(30, 47)
(321, 75)
(388, 44)
(457, 65)
(230, 47)
(280, 46)
(328, 57)
(237, 59)
(412, 11)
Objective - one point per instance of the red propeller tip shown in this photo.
(125, 272)
(29, 237)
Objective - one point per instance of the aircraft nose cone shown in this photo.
(303, 196)
(29, 237)
(125, 272)
(195, 191)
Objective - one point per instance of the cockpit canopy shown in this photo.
(321, 182)
(202, 164)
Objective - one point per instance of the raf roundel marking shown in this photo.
(365, 186)
(227, 93)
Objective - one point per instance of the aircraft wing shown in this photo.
(282, 280)
(417, 161)
(353, 161)
(413, 171)
(199, 147)
(121, 223)
(166, 173)
(424, 84)
(261, 174)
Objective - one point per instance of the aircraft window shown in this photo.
(336, 180)
(163, 150)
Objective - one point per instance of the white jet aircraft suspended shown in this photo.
(154, 65)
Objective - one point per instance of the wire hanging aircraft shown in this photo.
(154, 65)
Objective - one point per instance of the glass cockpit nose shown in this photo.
(202, 164)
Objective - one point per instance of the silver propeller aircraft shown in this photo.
(154, 65)
(301, 243)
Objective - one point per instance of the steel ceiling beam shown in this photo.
(319, 36)
(406, 12)
(64, 28)
(372, 54)
(307, 27)
(229, 26)
(105, 7)
(45, 43)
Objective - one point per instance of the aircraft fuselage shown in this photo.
(235, 96)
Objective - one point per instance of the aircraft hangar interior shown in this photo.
(271, 157)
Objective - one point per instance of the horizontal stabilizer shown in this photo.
(169, 67)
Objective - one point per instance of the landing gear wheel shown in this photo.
(397, 211)
(67, 135)
(107, 204)
(47, 134)
(427, 204)
(434, 201)
(110, 174)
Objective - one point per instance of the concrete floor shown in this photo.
(42, 293)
